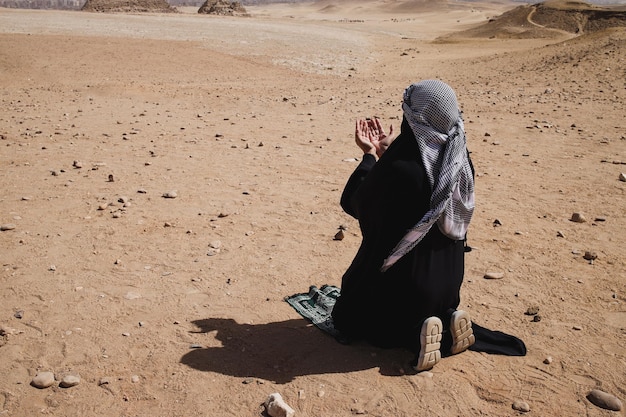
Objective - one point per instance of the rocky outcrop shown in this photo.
(223, 8)
(128, 6)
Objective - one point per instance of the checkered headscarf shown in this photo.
(431, 109)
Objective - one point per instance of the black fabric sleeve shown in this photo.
(348, 197)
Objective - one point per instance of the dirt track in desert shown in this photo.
(174, 306)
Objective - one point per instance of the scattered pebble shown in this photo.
(135, 379)
(622, 177)
(141, 191)
(69, 381)
(277, 407)
(7, 226)
(339, 235)
(494, 275)
(578, 218)
(126, 334)
(103, 206)
(577, 327)
(111, 179)
(77, 164)
(590, 256)
(104, 380)
(537, 318)
(195, 346)
(18, 314)
(548, 360)
(43, 380)
(247, 381)
(170, 194)
(531, 311)
(521, 406)
(604, 400)
(559, 234)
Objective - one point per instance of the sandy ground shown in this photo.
(174, 306)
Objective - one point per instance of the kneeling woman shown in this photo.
(414, 206)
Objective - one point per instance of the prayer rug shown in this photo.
(317, 306)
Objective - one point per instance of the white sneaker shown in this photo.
(430, 342)
(462, 333)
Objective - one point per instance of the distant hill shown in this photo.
(550, 19)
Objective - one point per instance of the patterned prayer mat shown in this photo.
(317, 306)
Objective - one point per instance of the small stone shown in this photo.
(132, 295)
(339, 235)
(531, 311)
(496, 223)
(52, 268)
(77, 164)
(590, 256)
(559, 234)
(7, 226)
(195, 346)
(18, 314)
(126, 334)
(170, 194)
(135, 379)
(537, 318)
(141, 191)
(43, 380)
(216, 244)
(123, 200)
(104, 380)
(578, 218)
(247, 381)
(548, 360)
(69, 381)
(301, 395)
(277, 407)
(622, 177)
(604, 400)
(111, 179)
(494, 275)
(577, 327)
(321, 393)
(103, 206)
(116, 215)
(521, 406)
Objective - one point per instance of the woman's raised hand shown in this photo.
(370, 136)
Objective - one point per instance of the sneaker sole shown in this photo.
(462, 333)
(430, 342)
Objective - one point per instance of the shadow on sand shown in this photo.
(281, 351)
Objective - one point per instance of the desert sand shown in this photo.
(175, 306)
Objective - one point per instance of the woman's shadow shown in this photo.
(281, 351)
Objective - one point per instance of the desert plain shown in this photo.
(167, 179)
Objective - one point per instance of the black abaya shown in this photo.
(387, 308)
